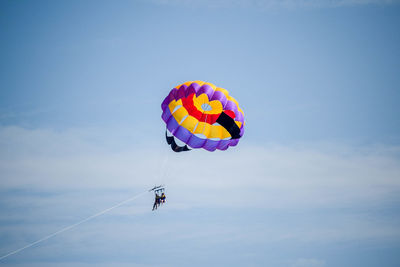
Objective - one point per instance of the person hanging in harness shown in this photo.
(162, 198)
(157, 201)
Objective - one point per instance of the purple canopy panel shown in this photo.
(218, 95)
(182, 134)
(232, 106)
(181, 92)
(205, 89)
(175, 93)
(223, 144)
(167, 100)
(210, 145)
(240, 117)
(192, 89)
(234, 142)
(166, 114)
(172, 124)
(196, 142)
(241, 131)
(183, 87)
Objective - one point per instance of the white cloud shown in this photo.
(279, 176)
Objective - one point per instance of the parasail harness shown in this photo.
(159, 196)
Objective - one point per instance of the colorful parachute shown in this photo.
(201, 115)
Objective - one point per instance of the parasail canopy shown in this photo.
(201, 115)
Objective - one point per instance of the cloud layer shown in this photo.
(314, 174)
(255, 196)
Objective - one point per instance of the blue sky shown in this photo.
(314, 181)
